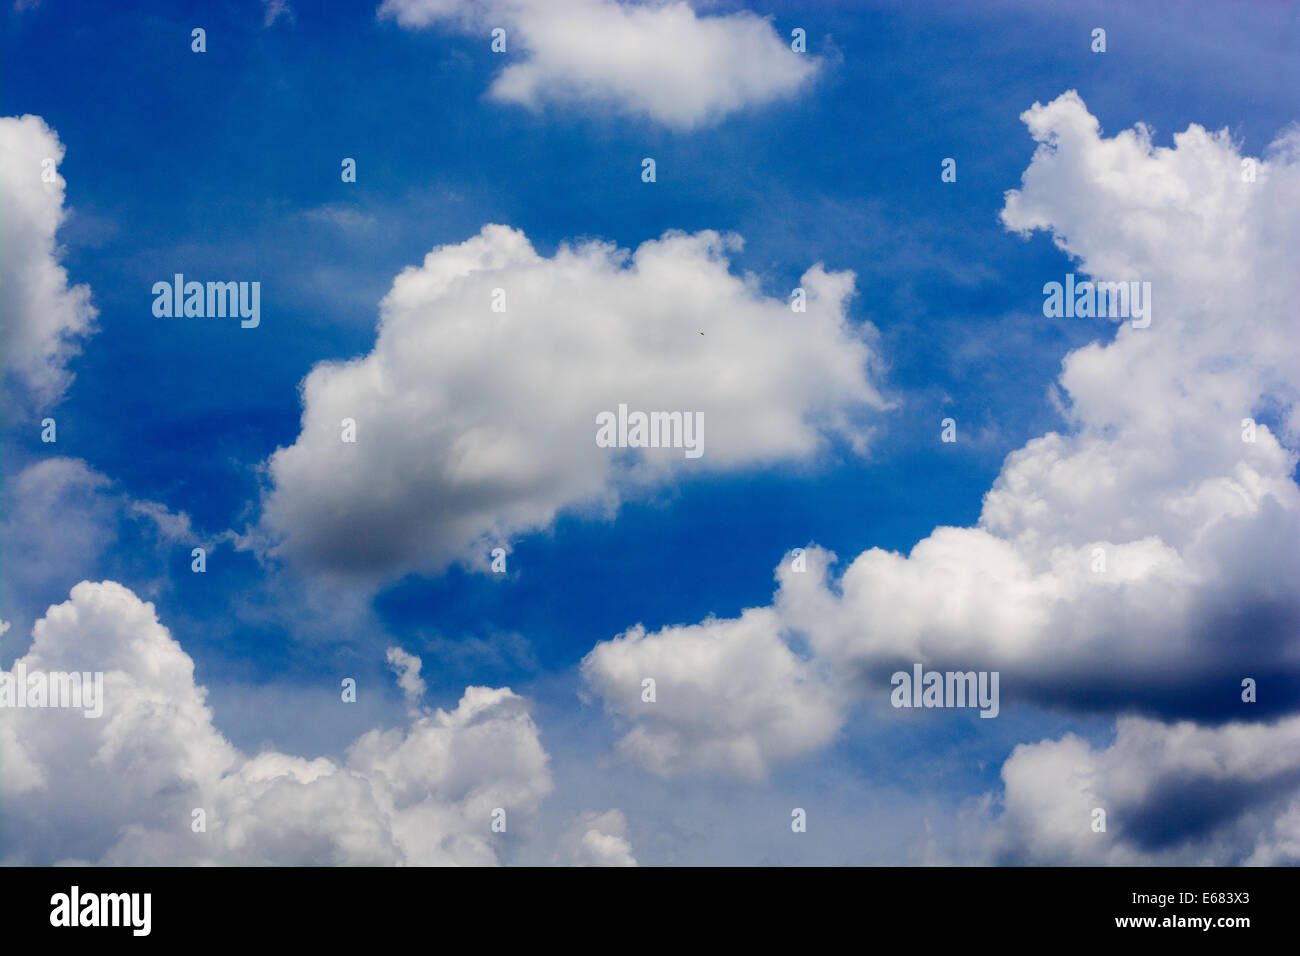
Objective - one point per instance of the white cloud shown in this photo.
(407, 668)
(1173, 794)
(1200, 530)
(597, 839)
(121, 789)
(475, 426)
(342, 217)
(657, 59)
(42, 318)
(729, 695)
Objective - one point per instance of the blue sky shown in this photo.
(226, 165)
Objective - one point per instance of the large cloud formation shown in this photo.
(42, 318)
(121, 789)
(1199, 530)
(475, 425)
(656, 59)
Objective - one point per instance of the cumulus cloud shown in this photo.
(1143, 560)
(729, 695)
(42, 317)
(474, 425)
(121, 789)
(597, 839)
(1173, 794)
(656, 59)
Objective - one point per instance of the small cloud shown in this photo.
(173, 526)
(596, 839)
(341, 217)
(274, 10)
(665, 61)
(407, 668)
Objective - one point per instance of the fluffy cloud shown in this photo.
(728, 695)
(658, 59)
(1199, 530)
(597, 839)
(474, 425)
(120, 789)
(41, 316)
(1174, 795)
